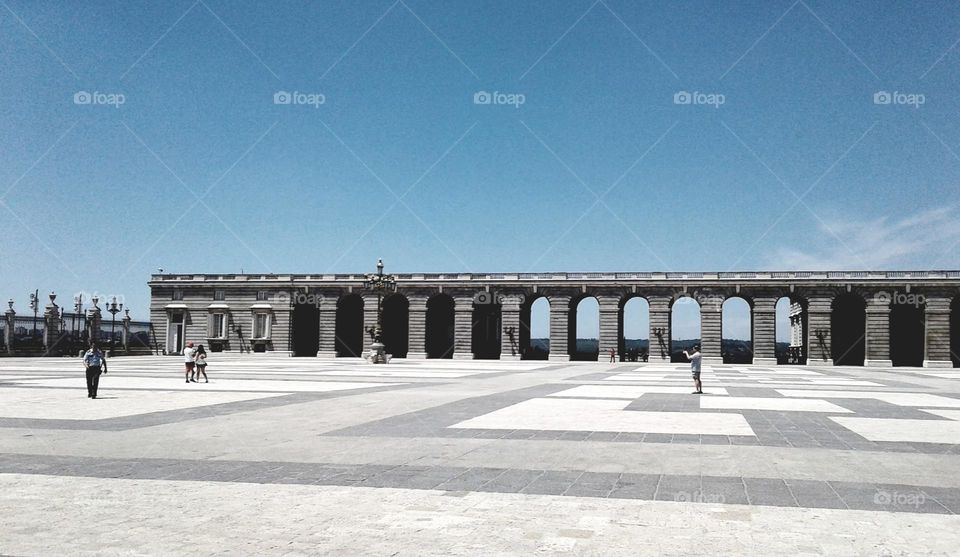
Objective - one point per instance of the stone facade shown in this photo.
(255, 313)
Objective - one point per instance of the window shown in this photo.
(218, 326)
(262, 296)
(261, 325)
(219, 296)
(177, 294)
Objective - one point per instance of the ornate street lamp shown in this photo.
(379, 283)
(114, 309)
(35, 306)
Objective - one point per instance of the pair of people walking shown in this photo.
(95, 363)
(195, 362)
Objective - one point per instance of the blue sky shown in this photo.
(198, 170)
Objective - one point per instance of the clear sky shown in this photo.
(589, 158)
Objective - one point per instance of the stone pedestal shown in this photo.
(9, 320)
(417, 335)
(125, 331)
(559, 328)
(877, 349)
(327, 345)
(937, 335)
(94, 322)
(462, 327)
(51, 325)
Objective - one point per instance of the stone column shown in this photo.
(95, 319)
(659, 322)
(711, 325)
(369, 321)
(510, 327)
(609, 326)
(417, 328)
(765, 331)
(9, 317)
(51, 325)
(877, 341)
(818, 331)
(125, 331)
(937, 338)
(559, 327)
(462, 327)
(328, 327)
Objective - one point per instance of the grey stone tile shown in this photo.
(771, 492)
(815, 494)
(726, 490)
(678, 488)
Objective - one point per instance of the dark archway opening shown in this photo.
(955, 332)
(440, 329)
(535, 340)
(848, 327)
(907, 328)
(485, 338)
(396, 325)
(349, 329)
(305, 333)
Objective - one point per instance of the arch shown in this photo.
(349, 327)
(790, 331)
(305, 330)
(736, 331)
(584, 329)
(634, 330)
(485, 332)
(955, 332)
(396, 325)
(440, 328)
(848, 327)
(908, 324)
(535, 328)
(684, 326)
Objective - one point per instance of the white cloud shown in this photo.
(927, 239)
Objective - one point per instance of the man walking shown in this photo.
(96, 363)
(189, 362)
(695, 358)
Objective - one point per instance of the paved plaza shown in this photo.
(309, 456)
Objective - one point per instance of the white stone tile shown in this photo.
(628, 392)
(73, 404)
(604, 415)
(783, 404)
(897, 398)
(949, 414)
(911, 431)
(216, 384)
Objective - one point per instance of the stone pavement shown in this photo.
(307, 456)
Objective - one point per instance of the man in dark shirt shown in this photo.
(96, 363)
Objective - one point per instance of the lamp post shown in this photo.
(77, 308)
(114, 309)
(378, 283)
(35, 306)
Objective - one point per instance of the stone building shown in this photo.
(854, 318)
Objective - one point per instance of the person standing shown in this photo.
(189, 353)
(96, 363)
(201, 362)
(613, 355)
(695, 358)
